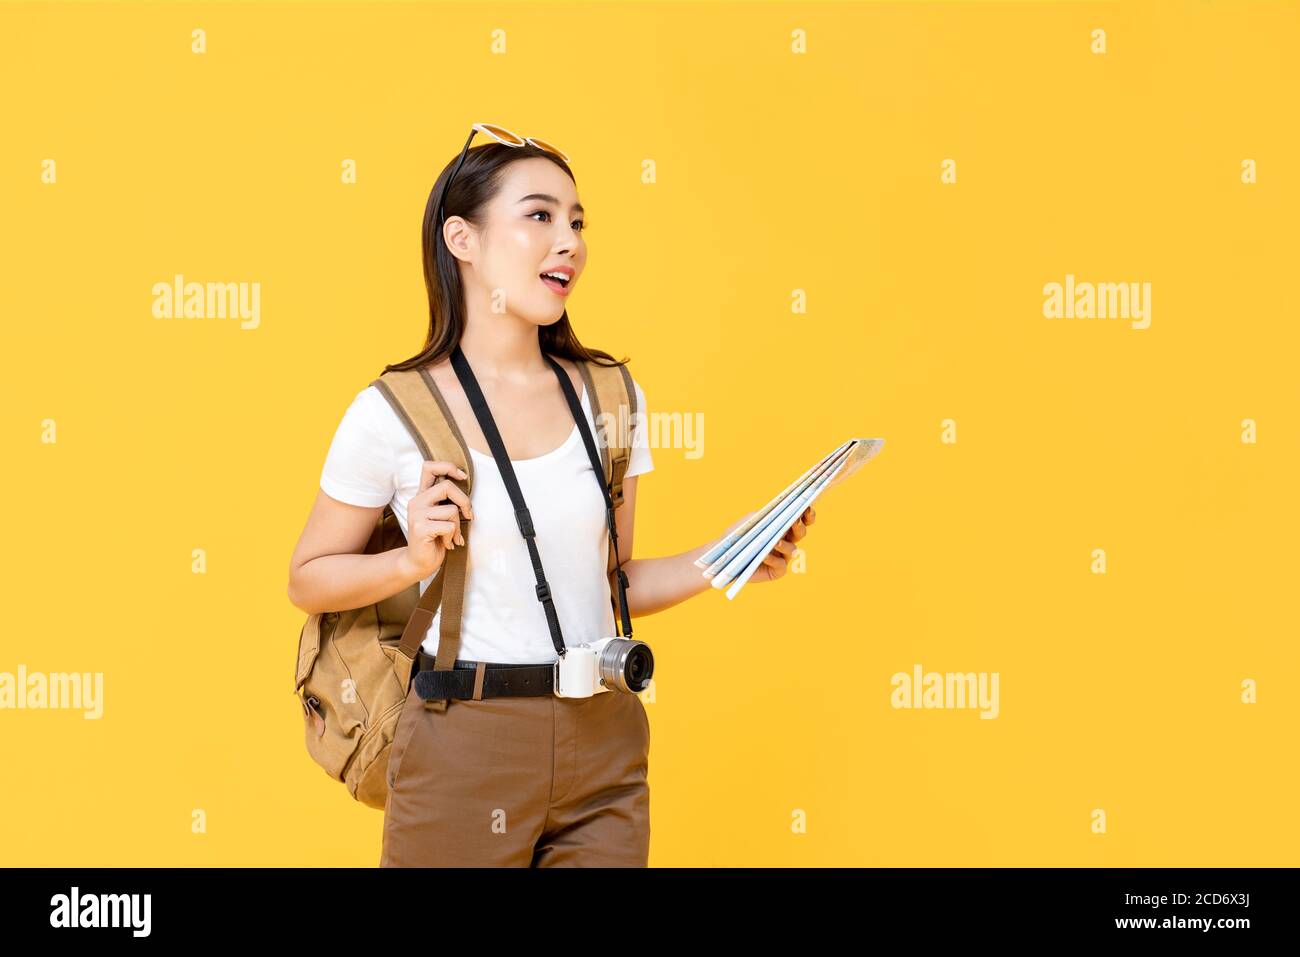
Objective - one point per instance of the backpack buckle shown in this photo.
(618, 466)
(543, 590)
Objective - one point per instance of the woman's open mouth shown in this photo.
(557, 282)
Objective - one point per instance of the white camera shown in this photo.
(610, 664)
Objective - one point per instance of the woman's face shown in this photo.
(533, 225)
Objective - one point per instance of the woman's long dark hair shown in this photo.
(477, 182)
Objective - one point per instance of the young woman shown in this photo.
(510, 780)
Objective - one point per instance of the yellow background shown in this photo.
(775, 172)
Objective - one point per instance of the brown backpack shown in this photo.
(355, 667)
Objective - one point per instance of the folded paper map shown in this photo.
(737, 555)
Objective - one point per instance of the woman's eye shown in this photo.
(580, 224)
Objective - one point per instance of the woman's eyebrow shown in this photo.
(577, 207)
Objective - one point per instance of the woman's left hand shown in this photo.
(776, 561)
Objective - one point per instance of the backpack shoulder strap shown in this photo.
(419, 403)
(613, 403)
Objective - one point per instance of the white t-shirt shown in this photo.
(374, 461)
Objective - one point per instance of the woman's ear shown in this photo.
(460, 237)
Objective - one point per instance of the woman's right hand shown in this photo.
(432, 522)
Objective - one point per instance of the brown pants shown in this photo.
(528, 781)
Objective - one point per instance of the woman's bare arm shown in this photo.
(658, 583)
(330, 572)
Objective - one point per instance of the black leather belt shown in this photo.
(482, 679)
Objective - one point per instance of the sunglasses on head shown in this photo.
(501, 135)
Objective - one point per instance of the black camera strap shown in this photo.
(522, 517)
(575, 406)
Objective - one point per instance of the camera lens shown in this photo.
(640, 666)
(627, 665)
